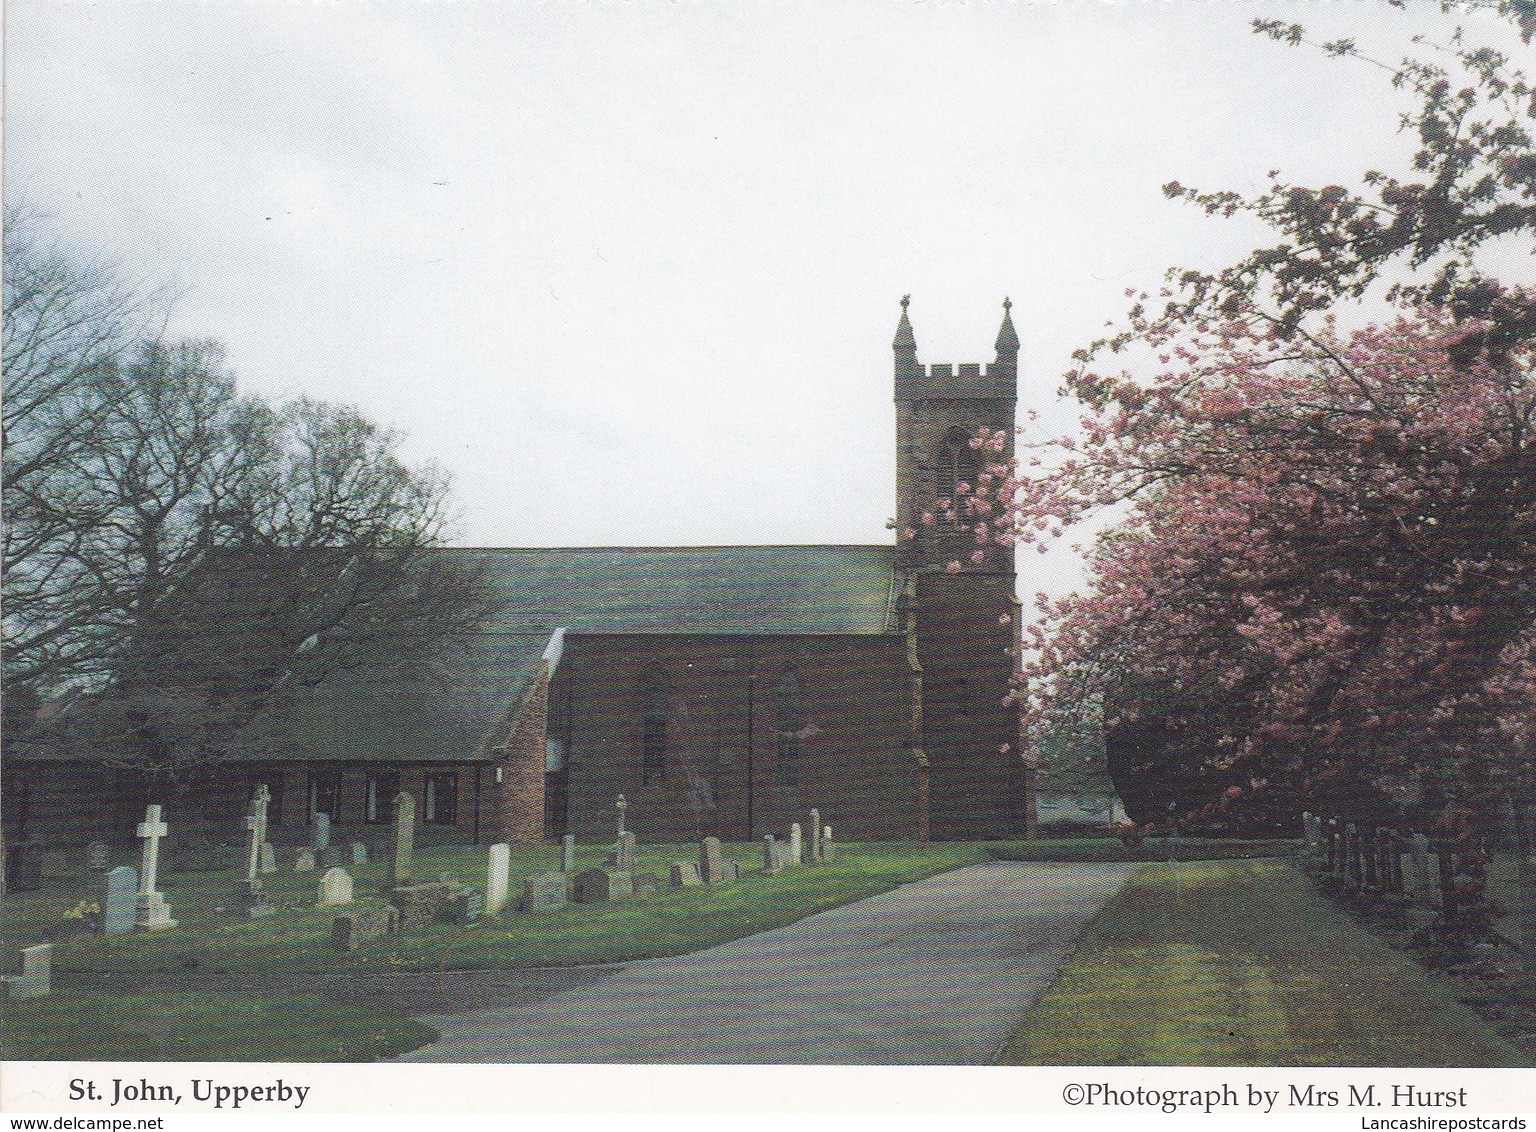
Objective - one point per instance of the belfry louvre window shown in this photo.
(655, 692)
(789, 726)
(957, 464)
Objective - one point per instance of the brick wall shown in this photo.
(855, 761)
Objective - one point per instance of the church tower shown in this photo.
(962, 623)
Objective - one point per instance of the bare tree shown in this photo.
(196, 558)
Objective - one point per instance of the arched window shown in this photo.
(655, 695)
(789, 726)
(958, 463)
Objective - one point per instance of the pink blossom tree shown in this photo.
(1322, 589)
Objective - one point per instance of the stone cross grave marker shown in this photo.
(268, 858)
(304, 861)
(253, 824)
(498, 877)
(621, 805)
(153, 913)
(35, 980)
(118, 899)
(320, 832)
(261, 801)
(249, 897)
(796, 848)
(568, 853)
(770, 858)
(815, 834)
(405, 840)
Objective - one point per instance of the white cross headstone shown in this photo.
(621, 805)
(154, 914)
(253, 845)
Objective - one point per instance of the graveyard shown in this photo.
(1215, 952)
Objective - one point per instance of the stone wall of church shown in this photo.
(738, 736)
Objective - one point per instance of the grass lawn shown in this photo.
(295, 943)
(1243, 963)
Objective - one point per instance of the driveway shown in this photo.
(931, 973)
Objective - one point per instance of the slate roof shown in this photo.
(766, 590)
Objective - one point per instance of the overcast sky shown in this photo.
(631, 270)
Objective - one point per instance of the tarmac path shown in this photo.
(936, 972)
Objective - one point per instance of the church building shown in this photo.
(722, 690)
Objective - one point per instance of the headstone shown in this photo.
(709, 860)
(250, 900)
(405, 841)
(304, 861)
(464, 907)
(1526, 879)
(35, 980)
(320, 832)
(268, 858)
(641, 883)
(96, 856)
(622, 859)
(359, 854)
(335, 887)
(621, 805)
(815, 835)
(827, 851)
(568, 853)
(153, 914)
(770, 858)
(421, 904)
(729, 870)
(684, 874)
(596, 886)
(544, 892)
(497, 877)
(353, 929)
(118, 900)
(780, 852)
(796, 849)
(253, 834)
(260, 803)
(1421, 877)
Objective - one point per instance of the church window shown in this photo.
(789, 726)
(322, 793)
(442, 800)
(379, 800)
(958, 464)
(654, 696)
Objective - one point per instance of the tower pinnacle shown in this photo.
(905, 342)
(1007, 339)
